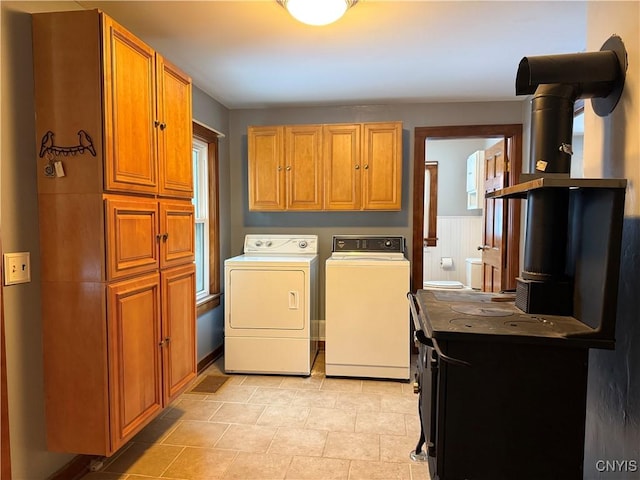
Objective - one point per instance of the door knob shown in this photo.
(483, 248)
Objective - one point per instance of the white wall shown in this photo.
(458, 239)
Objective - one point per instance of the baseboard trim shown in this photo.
(77, 468)
(210, 358)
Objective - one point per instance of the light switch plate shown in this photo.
(17, 268)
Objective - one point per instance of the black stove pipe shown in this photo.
(552, 128)
(547, 211)
(557, 81)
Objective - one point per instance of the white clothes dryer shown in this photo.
(271, 306)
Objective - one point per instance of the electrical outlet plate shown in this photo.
(17, 268)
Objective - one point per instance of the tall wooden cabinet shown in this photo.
(113, 132)
(325, 167)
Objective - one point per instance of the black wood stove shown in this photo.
(502, 385)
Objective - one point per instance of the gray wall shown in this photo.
(212, 114)
(612, 149)
(451, 156)
(327, 224)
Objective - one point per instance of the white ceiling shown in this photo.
(252, 54)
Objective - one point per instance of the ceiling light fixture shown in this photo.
(317, 12)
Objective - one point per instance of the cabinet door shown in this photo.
(342, 169)
(130, 112)
(131, 235)
(134, 339)
(303, 166)
(382, 166)
(266, 169)
(178, 329)
(175, 168)
(177, 238)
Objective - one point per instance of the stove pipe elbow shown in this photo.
(557, 81)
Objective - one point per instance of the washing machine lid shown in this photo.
(271, 260)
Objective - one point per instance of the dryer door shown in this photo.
(266, 299)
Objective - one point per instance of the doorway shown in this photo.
(501, 218)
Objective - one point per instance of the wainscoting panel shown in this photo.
(458, 239)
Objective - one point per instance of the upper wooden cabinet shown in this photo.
(382, 166)
(116, 223)
(303, 167)
(113, 99)
(325, 167)
(342, 167)
(147, 103)
(174, 131)
(285, 167)
(266, 168)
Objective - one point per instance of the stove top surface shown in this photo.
(456, 315)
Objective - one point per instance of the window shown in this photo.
(205, 201)
(201, 206)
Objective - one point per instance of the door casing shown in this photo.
(512, 134)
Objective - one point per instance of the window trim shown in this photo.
(211, 138)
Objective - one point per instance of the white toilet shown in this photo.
(474, 273)
(473, 278)
(442, 285)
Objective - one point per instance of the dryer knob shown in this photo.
(269, 243)
(258, 243)
(302, 244)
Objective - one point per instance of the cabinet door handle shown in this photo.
(158, 237)
(162, 125)
(279, 168)
(164, 342)
(165, 236)
(288, 168)
(366, 167)
(357, 167)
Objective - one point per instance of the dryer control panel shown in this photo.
(281, 244)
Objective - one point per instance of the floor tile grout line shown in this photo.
(173, 461)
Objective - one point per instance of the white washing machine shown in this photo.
(367, 312)
(271, 306)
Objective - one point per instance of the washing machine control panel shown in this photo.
(349, 243)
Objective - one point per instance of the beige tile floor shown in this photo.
(279, 427)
